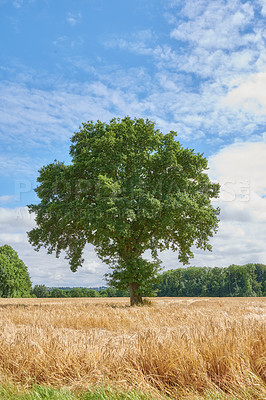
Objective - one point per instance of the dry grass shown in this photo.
(181, 348)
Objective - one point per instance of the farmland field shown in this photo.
(176, 348)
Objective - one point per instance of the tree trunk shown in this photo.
(135, 297)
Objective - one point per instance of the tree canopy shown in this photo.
(14, 276)
(129, 189)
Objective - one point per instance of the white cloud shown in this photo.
(249, 95)
(262, 4)
(73, 19)
(12, 165)
(42, 117)
(12, 238)
(242, 162)
(216, 25)
(6, 198)
(15, 220)
(224, 39)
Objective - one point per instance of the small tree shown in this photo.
(14, 276)
(129, 189)
(40, 291)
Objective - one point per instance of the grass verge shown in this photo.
(39, 392)
(12, 392)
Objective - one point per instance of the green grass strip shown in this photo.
(37, 392)
(46, 393)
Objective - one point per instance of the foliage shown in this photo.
(14, 276)
(129, 189)
(56, 292)
(82, 292)
(245, 281)
(40, 291)
(85, 292)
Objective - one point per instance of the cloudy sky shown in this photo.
(197, 67)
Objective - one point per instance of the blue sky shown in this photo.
(195, 67)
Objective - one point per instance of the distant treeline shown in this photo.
(236, 281)
(43, 291)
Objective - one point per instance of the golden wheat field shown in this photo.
(178, 348)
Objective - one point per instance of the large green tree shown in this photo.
(129, 189)
(14, 276)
